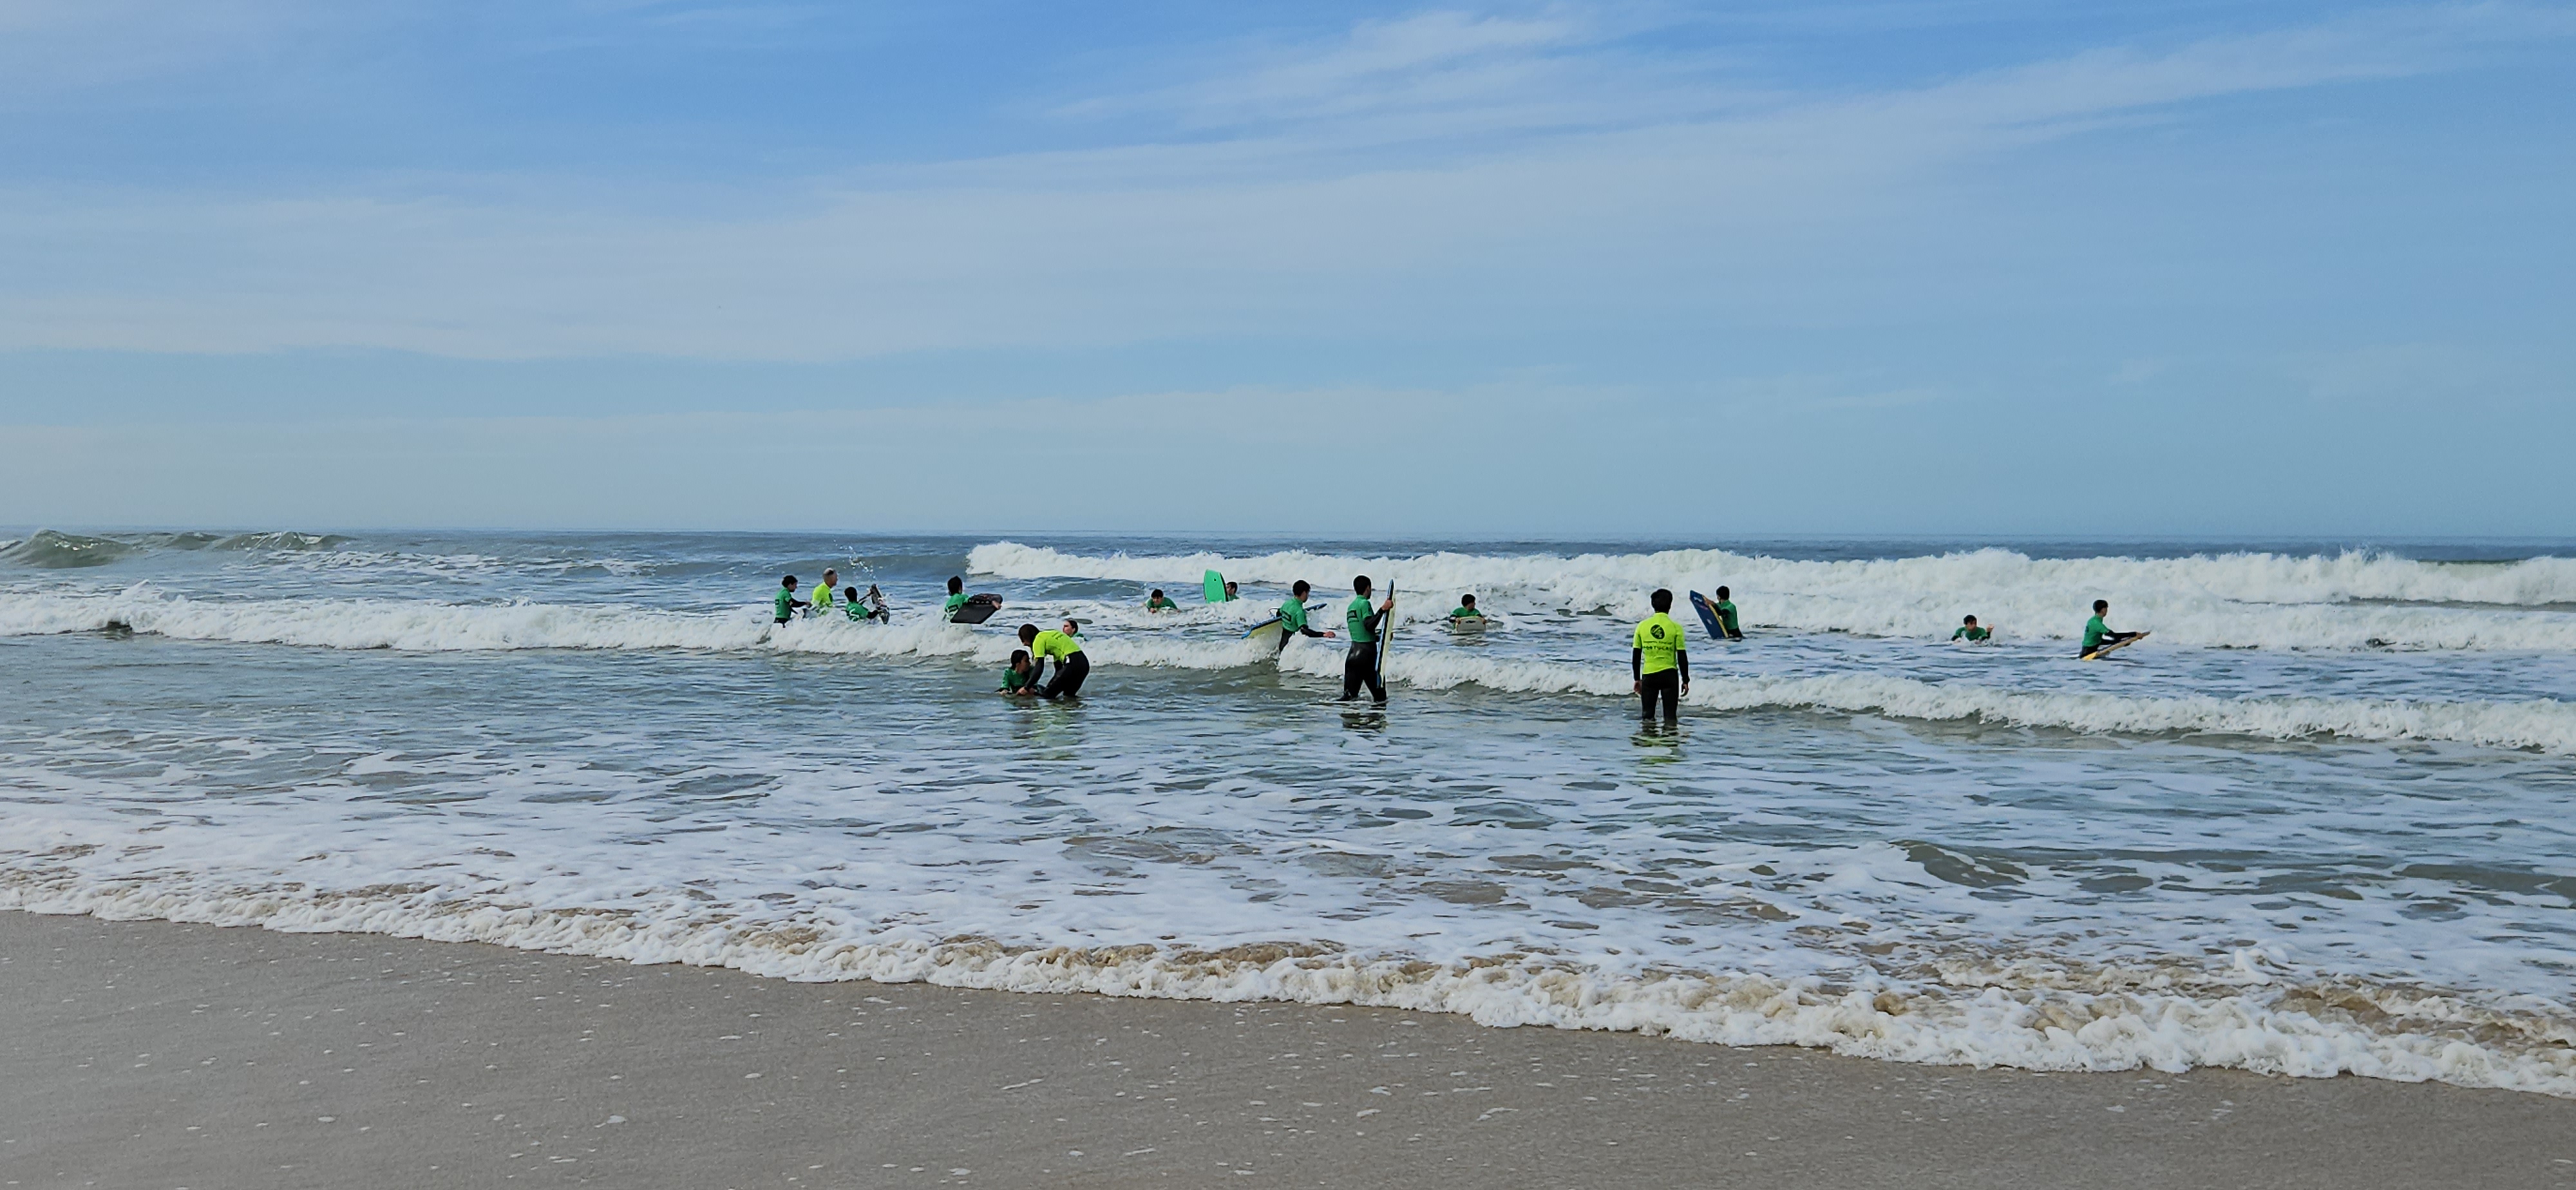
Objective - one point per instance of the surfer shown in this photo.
(1969, 630)
(957, 597)
(1021, 680)
(1466, 610)
(1157, 603)
(1726, 616)
(787, 602)
(1658, 660)
(823, 592)
(1230, 595)
(1071, 667)
(2098, 634)
(871, 608)
(1360, 666)
(1292, 615)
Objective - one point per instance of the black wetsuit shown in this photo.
(1360, 666)
(1069, 673)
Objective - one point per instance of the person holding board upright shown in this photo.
(1071, 667)
(1659, 659)
(1360, 666)
(1292, 615)
(1726, 615)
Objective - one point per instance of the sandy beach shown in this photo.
(152, 1054)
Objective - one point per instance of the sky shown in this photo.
(1963, 267)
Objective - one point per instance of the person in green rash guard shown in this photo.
(786, 603)
(1725, 609)
(870, 608)
(1466, 609)
(2098, 634)
(1360, 665)
(956, 596)
(1970, 631)
(1292, 615)
(1071, 667)
(1230, 594)
(1157, 603)
(1659, 660)
(824, 591)
(1021, 680)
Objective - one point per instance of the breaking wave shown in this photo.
(2355, 600)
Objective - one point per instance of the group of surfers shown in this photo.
(1658, 653)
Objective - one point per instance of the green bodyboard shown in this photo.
(1213, 587)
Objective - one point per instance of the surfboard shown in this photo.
(1708, 616)
(977, 609)
(1266, 630)
(1213, 586)
(1385, 637)
(1467, 623)
(2113, 647)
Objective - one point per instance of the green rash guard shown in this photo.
(1160, 604)
(1967, 633)
(1726, 617)
(785, 604)
(1292, 615)
(1013, 681)
(1357, 616)
(1465, 613)
(955, 601)
(858, 609)
(1052, 643)
(2095, 632)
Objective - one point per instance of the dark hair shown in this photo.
(1360, 585)
(1662, 599)
(1969, 620)
(852, 592)
(789, 581)
(1721, 592)
(1158, 592)
(956, 583)
(1028, 633)
(1300, 587)
(1018, 656)
(1468, 600)
(2101, 605)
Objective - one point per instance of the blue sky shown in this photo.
(1633, 269)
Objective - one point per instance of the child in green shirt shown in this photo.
(1969, 631)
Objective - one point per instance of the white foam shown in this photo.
(2231, 600)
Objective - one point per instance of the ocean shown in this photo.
(2319, 822)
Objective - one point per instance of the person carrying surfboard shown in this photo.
(957, 596)
(2098, 635)
(1659, 659)
(1071, 667)
(1292, 615)
(1725, 610)
(1466, 609)
(1360, 666)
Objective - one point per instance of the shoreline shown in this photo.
(160, 1053)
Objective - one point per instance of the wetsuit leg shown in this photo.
(1069, 673)
(1360, 666)
(1665, 687)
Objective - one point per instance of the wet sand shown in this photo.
(149, 1054)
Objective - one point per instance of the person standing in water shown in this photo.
(2098, 634)
(1466, 609)
(1659, 660)
(824, 591)
(786, 603)
(1071, 667)
(1360, 665)
(1725, 609)
(1292, 615)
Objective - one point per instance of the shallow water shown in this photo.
(2317, 823)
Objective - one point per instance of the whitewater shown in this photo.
(2317, 824)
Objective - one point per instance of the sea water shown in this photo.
(2318, 823)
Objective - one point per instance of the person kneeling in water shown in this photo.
(1021, 680)
(1071, 667)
